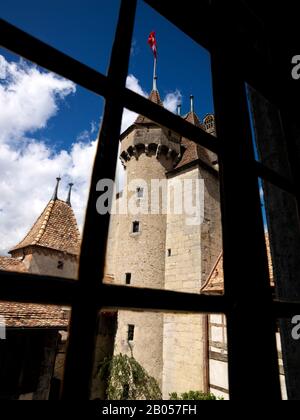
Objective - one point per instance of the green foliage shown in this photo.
(127, 380)
(194, 395)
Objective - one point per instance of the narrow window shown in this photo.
(169, 252)
(128, 278)
(135, 227)
(60, 265)
(130, 334)
(140, 192)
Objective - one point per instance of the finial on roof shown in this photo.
(192, 103)
(69, 194)
(54, 197)
(179, 109)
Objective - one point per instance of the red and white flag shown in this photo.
(153, 44)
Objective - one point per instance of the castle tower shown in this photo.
(163, 251)
(52, 245)
(191, 253)
(136, 250)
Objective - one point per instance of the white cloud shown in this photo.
(27, 183)
(172, 100)
(129, 117)
(29, 97)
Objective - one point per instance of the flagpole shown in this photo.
(155, 74)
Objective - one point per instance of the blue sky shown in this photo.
(84, 29)
(49, 126)
(61, 138)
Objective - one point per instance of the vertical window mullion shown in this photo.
(79, 359)
(252, 353)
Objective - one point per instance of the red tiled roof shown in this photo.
(56, 228)
(27, 315)
(215, 281)
(12, 264)
(192, 150)
(154, 97)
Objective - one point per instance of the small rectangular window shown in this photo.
(136, 227)
(128, 278)
(130, 334)
(140, 192)
(169, 252)
(60, 265)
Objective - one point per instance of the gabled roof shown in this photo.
(12, 264)
(27, 315)
(193, 151)
(154, 97)
(215, 281)
(56, 228)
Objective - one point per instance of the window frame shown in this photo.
(87, 295)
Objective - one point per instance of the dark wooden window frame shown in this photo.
(251, 312)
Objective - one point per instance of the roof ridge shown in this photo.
(45, 222)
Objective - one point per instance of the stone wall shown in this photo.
(183, 356)
(211, 229)
(47, 262)
(147, 346)
(183, 345)
(194, 251)
(141, 254)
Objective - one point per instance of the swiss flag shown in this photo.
(152, 43)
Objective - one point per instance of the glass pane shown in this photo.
(279, 338)
(32, 350)
(183, 67)
(218, 356)
(169, 237)
(268, 135)
(146, 355)
(83, 30)
(282, 231)
(280, 214)
(48, 130)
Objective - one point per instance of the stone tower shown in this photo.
(191, 254)
(160, 250)
(136, 252)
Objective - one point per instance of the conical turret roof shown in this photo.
(56, 228)
(153, 97)
(192, 150)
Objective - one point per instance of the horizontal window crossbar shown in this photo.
(30, 288)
